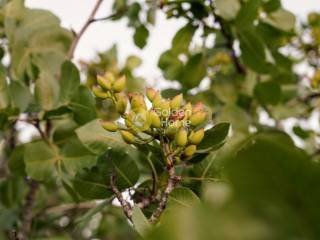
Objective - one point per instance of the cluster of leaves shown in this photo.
(255, 184)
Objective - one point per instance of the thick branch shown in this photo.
(84, 28)
(172, 181)
(127, 209)
(27, 209)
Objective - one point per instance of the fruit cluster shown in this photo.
(172, 122)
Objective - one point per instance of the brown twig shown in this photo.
(127, 209)
(230, 40)
(83, 29)
(27, 209)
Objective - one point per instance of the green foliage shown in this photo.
(249, 75)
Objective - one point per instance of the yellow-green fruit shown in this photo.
(155, 120)
(164, 108)
(121, 103)
(316, 34)
(99, 93)
(151, 93)
(198, 107)
(175, 102)
(196, 137)
(137, 101)
(128, 137)
(190, 150)
(181, 137)
(119, 84)
(109, 126)
(315, 81)
(172, 129)
(198, 118)
(157, 100)
(139, 120)
(187, 111)
(313, 18)
(104, 83)
(109, 77)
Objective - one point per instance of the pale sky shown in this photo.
(102, 35)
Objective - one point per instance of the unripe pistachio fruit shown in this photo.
(157, 100)
(119, 84)
(172, 129)
(151, 93)
(104, 83)
(175, 102)
(127, 136)
(155, 120)
(196, 137)
(190, 150)
(137, 101)
(139, 120)
(164, 109)
(187, 111)
(99, 93)
(121, 103)
(198, 118)
(109, 77)
(198, 107)
(315, 81)
(109, 126)
(181, 137)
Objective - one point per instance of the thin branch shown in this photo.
(27, 209)
(229, 44)
(127, 209)
(84, 28)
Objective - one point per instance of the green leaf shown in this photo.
(171, 65)
(140, 36)
(227, 9)
(268, 92)
(20, 95)
(16, 161)
(75, 156)
(253, 51)
(182, 197)
(215, 136)
(43, 160)
(47, 91)
(4, 95)
(36, 40)
(248, 13)
(182, 39)
(282, 19)
(94, 183)
(140, 222)
(40, 160)
(82, 105)
(98, 140)
(194, 71)
(11, 191)
(69, 80)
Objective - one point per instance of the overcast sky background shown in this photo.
(102, 35)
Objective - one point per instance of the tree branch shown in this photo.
(127, 209)
(84, 28)
(27, 209)
(229, 38)
(172, 181)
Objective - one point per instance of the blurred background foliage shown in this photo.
(261, 184)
